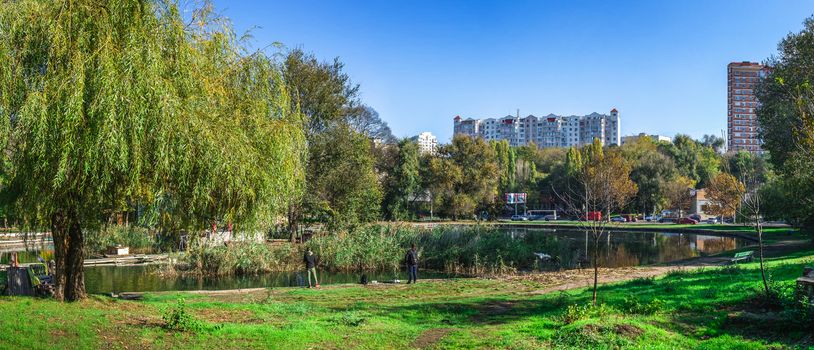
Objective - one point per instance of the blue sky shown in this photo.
(420, 63)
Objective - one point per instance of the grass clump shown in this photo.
(177, 318)
(351, 318)
(576, 312)
(589, 335)
(632, 305)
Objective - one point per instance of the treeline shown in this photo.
(469, 176)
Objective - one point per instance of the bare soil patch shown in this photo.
(430, 337)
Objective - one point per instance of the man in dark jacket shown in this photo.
(310, 266)
(412, 264)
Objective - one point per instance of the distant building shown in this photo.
(742, 124)
(549, 131)
(656, 138)
(427, 143)
(699, 202)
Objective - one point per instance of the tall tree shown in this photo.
(343, 188)
(403, 183)
(678, 193)
(104, 103)
(338, 125)
(466, 176)
(601, 183)
(724, 195)
(786, 115)
(714, 142)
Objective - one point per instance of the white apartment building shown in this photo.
(549, 131)
(427, 143)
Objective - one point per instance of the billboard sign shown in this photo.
(515, 198)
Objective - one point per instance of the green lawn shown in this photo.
(701, 309)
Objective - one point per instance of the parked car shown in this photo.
(686, 221)
(618, 219)
(695, 217)
(713, 221)
(550, 217)
(519, 218)
(666, 220)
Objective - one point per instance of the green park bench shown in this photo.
(742, 256)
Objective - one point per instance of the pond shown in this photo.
(107, 279)
(622, 249)
(617, 249)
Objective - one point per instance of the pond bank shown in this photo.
(568, 279)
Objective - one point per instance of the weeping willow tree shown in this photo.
(111, 102)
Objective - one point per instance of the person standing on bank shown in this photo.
(310, 261)
(412, 264)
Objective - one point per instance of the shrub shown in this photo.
(178, 318)
(576, 312)
(632, 305)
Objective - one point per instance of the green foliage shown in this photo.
(464, 178)
(403, 183)
(575, 312)
(130, 103)
(595, 336)
(786, 116)
(178, 318)
(138, 239)
(343, 188)
(103, 105)
(693, 160)
(241, 258)
(633, 305)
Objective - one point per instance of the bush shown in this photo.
(576, 313)
(632, 305)
(179, 319)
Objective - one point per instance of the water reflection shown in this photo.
(621, 249)
(107, 279)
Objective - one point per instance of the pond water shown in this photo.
(107, 279)
(621, 249)
(617, 249)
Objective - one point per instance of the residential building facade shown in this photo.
(742, 124)
(427, 143)
(549, 131)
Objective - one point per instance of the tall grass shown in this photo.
(241, 258)
(458, 249)
(454, 249)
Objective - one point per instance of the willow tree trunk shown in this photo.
(292, 223)
(69, 256)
